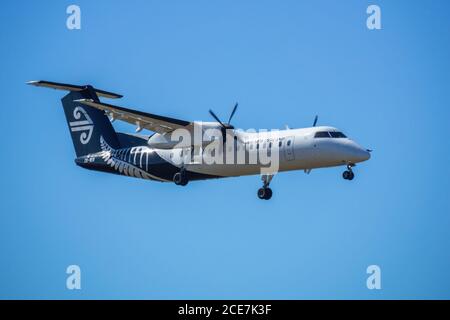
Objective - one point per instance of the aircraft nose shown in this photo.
(356, 153)
(362, 154)
(367, 154)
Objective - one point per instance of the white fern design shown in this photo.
(128, 161)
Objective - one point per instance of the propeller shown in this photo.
(315, 120)
(217, 118)
(232, 113)
(227, 125)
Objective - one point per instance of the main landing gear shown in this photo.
(265, 193)
(348, 174)
(180, 178)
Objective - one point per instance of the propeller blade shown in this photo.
(232, 113)
(315, 120)
(216, 117)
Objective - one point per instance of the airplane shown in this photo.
(159, 157)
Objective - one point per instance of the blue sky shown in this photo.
(284, 62)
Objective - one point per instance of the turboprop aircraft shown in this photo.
(217, 149)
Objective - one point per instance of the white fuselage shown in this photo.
(297, 149)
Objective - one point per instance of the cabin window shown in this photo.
(289, 143)
(270, 145)
(322, 134)
(280, 143)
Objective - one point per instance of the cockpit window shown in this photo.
(332, 134)
(337, 134)
(321, 134)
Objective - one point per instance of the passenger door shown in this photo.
(289, 148)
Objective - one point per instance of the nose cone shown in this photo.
(363, 154)
(357, 154)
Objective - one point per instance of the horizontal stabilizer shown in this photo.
(72, 87)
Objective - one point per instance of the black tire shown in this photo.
(346, 175)
(261, 193)
(177, 178)
(180, 179)
(268, 194)
(351, 175)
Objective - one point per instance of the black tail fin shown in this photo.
(87, 124)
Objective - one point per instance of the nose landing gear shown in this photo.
(265, 193)
(348, 174)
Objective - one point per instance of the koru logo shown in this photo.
(85, 125)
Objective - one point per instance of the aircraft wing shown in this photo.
(141, 119)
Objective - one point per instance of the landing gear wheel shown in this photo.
(264, 193)
(180, 179)
(268, 194)
(261, 193)
(351, 176)
(345, 175)
(348, 175)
